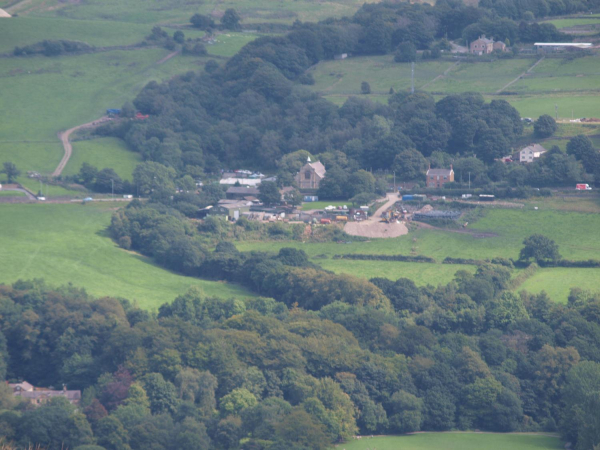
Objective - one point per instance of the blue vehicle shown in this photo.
(113, 112)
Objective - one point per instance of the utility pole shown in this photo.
(556, 111)
(412, 77)
(395, 190)
(469, 180)
(112, 188)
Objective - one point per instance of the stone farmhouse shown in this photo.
(437, 178)
(484, 46)
(310, 175)
(39, 396)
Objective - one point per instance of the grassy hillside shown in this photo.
(21, 31)
(101, 153)
(179, 11)
(59, 93)
(456, 441)
(68, 243)
(573, 85)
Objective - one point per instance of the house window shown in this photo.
(307, 175)
(445, 178)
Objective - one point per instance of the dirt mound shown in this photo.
(375, 229)
(4, 13)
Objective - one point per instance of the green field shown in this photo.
(511, 227)
(179, 11)
(59, 93)
(68, 243)
(537, 92)
(4, 193)
(381, 72)
(481, 77)
(21, 31)
(455, 441)
(568, 23)
(422, 274)
(102, 153)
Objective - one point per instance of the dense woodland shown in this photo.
(315, 360)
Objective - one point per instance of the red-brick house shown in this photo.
(437, 178)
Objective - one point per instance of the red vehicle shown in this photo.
(141, 116)
(583, 187)
(325, 221)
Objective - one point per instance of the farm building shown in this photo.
(39, 396)
(232, 209)
(531, 152)
(556, 47)
(241, 192)
(240, 181)
(310, 175)
(437, 178)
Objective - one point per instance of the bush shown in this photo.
(544, 127)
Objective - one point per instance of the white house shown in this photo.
(531, 152)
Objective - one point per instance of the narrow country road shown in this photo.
(520, 76)
(64, 137)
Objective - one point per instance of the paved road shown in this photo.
(29, 195)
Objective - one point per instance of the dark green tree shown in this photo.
(269, 193)
(406, 52)
(11, 171)
(231, 19)
(202, 22)
(365, 88)
(539, 248)
(409, 165)
(545, 126)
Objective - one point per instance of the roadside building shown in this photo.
(311, 175)
(531, 152)
(557, 47)
(437, 178)
(39, 396)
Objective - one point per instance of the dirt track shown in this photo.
(373, 228)
(64, 137)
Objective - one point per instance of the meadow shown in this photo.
(574, 22)
(511, 228)
(102, 153)
(67, 243)
(59, 93)
(179, 11)
(381, 72)
(533, 95)
(456, 441)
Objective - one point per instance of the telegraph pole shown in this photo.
(412, 77)
(556, 111)
(112, 188)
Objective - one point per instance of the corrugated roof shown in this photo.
(247, 190)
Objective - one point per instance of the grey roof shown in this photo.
(440, 172)
(243, 190)
(70, 395)
(534, 148)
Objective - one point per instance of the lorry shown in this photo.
(583, 187)
(325, 221)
